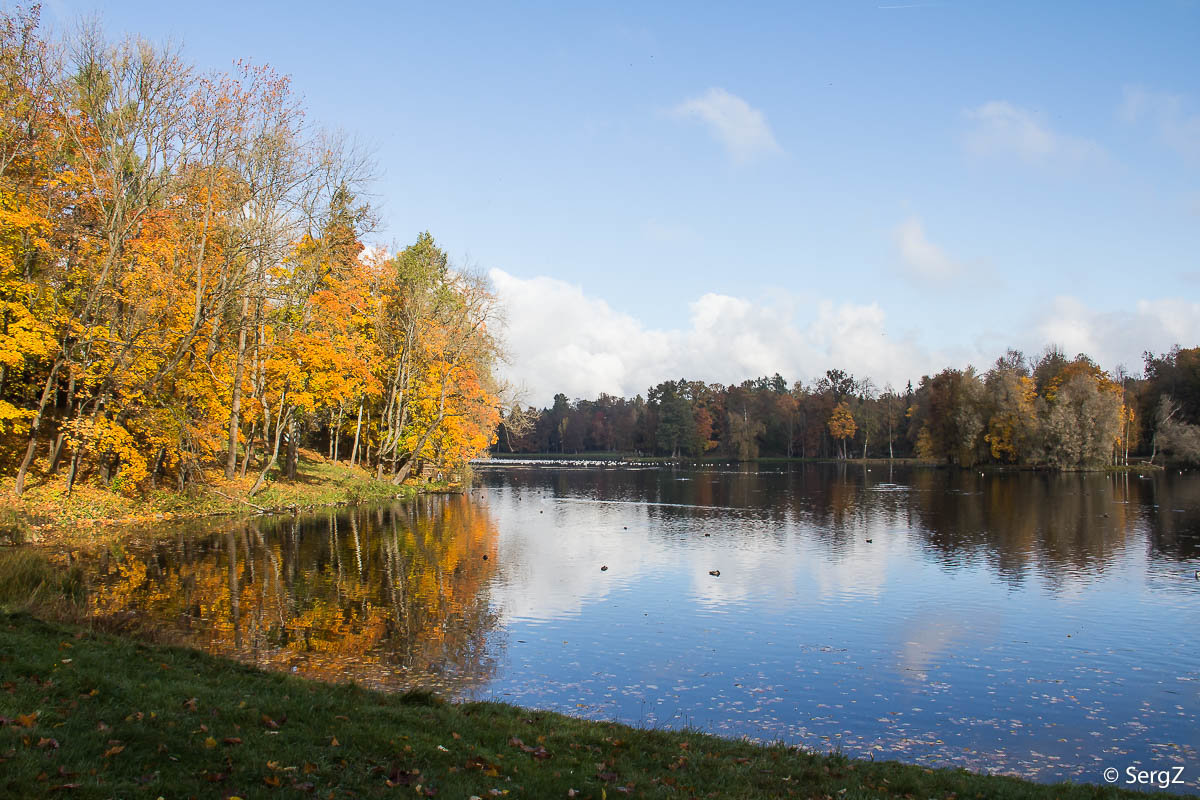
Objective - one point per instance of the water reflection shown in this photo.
(1011, 622)
(390, 597)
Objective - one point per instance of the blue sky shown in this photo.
(675, 191)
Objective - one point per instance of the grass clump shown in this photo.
(29, 582)
(89, 715)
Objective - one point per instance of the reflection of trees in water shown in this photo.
(1173, 501)
(1062, 524)
(390, 597)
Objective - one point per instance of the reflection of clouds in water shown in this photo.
(931, 632)
(551, 550)
(745, 574)
(548, 568)
(860, 574)
(982, 604)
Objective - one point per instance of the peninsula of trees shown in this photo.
(1050, 411)
(183, 288)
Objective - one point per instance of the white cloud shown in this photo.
(562, 340)
(923, 258)
(1002, 129)
(1178, 126)
(739, 126)
(1119, 337)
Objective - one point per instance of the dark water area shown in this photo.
(1021, 623)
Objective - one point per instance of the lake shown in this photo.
(1009, 622)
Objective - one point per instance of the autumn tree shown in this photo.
(1012, 423)
(841, 424)
(1080, 416)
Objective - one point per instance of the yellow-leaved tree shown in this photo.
(842, 425)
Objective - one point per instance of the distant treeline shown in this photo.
(1049, 411)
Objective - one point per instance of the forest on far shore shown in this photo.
(1047, 411)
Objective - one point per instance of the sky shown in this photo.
(662, 191)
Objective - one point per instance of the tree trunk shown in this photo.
(357, 428)
(293, 450)
(251, 440)
(36, 426)
(74, 470)
(235, 406)
(337, 430)
(262, 476)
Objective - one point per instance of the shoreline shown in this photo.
(623, 460)
(177, 720)
(44, 516)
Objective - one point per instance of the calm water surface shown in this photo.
(1009, 622)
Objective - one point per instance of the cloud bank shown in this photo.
(1119, 337)
(740, 127)
(563, 340)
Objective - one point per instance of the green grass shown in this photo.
(45, 511)
(30, 582)
(85, 714)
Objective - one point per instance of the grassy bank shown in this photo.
(177, 723)
(44, 512)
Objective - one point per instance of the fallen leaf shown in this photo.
(26, 720)
(210, 742)
(45, 743)
(112, 751)
(273, 780)
(231, 740)
(191, 704)
(334, 742)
